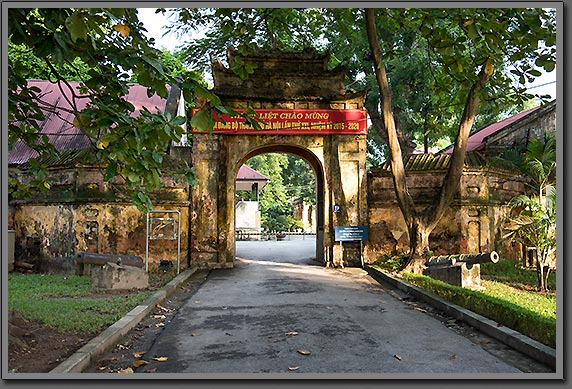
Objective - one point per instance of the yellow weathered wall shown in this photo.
(472, 223)
(82, 213)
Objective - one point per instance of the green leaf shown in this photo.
(76, 25)
(178, 121)
(157, 157)
(549, 66)
(133, 177)
(472, 31)
(154, 63)
(206, 94)
(203, 120)
(156, 178)
(110, 171)
(227, 110)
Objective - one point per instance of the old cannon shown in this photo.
(459, 269)
(86, 260)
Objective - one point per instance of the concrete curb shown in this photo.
(514, 339)
(108, 338)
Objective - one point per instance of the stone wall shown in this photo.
(247, 216)
(81, 212)
(472, 224)
(306, 213)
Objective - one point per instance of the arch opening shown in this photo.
(316, 233)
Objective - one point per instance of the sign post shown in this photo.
(351, 234)
(163, 228)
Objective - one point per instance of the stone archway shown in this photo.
(307, 113)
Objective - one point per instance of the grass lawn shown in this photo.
(68, 302)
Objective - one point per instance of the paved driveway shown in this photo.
(292, 316)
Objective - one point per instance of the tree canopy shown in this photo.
(429, 55)
(105, 49)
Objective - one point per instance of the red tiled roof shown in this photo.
(475, 141)
(58, 121)
(246, 173)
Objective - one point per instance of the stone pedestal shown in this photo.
(116, 277)
(463, 275)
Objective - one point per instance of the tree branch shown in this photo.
(404, 199)
(457, 162)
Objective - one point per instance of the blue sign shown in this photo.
(351, 233)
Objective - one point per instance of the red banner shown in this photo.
(296, 122)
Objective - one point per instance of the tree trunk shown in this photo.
(406, 144)
(425, 135)
(404, 200)
(540, 273)
(418, 246)
(542, 283)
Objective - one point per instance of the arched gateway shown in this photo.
(307, 112)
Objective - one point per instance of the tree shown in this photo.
(461, 49)
(290, 178)
(468, 43)
(110, 44)
(31, 67)
(534, 225)
(299, 180)
(274, 202)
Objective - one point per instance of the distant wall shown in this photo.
(306, 213)
(535, 125)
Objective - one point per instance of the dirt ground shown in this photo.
(36, 348)
(130, 354)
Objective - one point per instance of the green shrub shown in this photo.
(488, 303)
(391, 262)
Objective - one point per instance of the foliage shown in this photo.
(469, 48)
(244, 29)
(391, 263)
(439, 65)
(525, 312)
(66, 302)
(534, 225)
(299, 180)
(279, 218)
(290, 178)
(174, 63)
(31, 67)
(111, 44)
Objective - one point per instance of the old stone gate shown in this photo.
(306, 112)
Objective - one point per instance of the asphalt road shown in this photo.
(279, 312)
